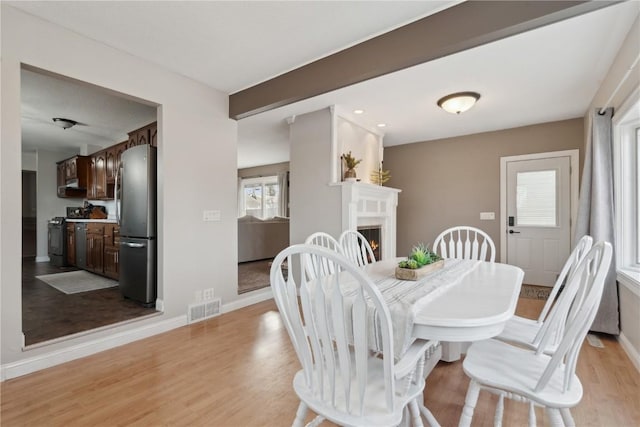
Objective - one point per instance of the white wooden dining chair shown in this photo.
(529, 332)
(329, 323)
(356, 247)
(315, 267)
(533, 376)
(464, 242)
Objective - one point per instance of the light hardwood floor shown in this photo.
(236, 370)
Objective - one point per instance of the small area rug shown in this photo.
(535, 292)
(73, 282)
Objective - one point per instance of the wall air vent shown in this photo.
(203, 310)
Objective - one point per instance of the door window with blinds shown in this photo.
(536, 198)
(260, 197)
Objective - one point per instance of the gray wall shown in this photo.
(314, 204)
(197, 153)
(450, 181)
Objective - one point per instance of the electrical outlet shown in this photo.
(207, 294)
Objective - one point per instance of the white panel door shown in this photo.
(538, 215)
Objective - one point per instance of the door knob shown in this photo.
(513, 232)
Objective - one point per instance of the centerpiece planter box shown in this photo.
(418, 273)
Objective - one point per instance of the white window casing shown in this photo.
(626, 151)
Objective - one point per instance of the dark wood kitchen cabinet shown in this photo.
(138, 137)
(73, 172)
(76, 168)
(61, 170)
(71, 244)
(98, 188)
(95, 247)
(144, 135)
(153, 134)
(113, 156)
(112, 251)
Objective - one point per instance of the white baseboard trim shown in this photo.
(42, 259)
(251, 298)
(56, 357)
(630, 350)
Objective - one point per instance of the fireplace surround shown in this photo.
(371, 206)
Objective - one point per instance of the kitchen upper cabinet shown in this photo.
(71, 243)
(61, 170)
(71, 170)
(153, 134)
(76, 168)
(110, 166)
(113, 155)
(95, 247)
(144, 135)
(72, 176)
(139, 137)
(98, 177)
(94, 176)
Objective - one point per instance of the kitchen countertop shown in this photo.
(108, 221)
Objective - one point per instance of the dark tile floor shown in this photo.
(48, 313)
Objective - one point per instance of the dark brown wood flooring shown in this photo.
(48, 313)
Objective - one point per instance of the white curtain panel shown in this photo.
(283, 185)
(595, 210)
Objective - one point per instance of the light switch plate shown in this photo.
(487, 215)
(209, 216)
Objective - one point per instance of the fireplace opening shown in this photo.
(374, 237)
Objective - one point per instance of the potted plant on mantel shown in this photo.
(351, 163)
(420, 262)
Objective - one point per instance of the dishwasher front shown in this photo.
(81, 245)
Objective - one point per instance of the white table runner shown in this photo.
(405, 298)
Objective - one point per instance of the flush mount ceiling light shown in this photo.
(64, 123)
(358, 111)
(457, 103)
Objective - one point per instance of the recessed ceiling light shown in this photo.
(358, 111)
(382, 125)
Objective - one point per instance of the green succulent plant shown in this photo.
(420, 256)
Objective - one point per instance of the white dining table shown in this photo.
(476, 308)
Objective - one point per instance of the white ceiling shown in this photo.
(548, 74)
(103, 117)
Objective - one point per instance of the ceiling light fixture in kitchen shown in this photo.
(459, 102)
(64, 123)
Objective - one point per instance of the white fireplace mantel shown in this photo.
(371, 205)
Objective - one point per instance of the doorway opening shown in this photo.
(69, 170)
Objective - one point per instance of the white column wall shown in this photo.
(197, 169)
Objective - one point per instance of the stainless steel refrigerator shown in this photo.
(136, 207)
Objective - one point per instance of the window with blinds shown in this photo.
(536, 196)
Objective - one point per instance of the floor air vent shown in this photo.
(204, 310)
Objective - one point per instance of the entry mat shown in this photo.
(73, 282)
